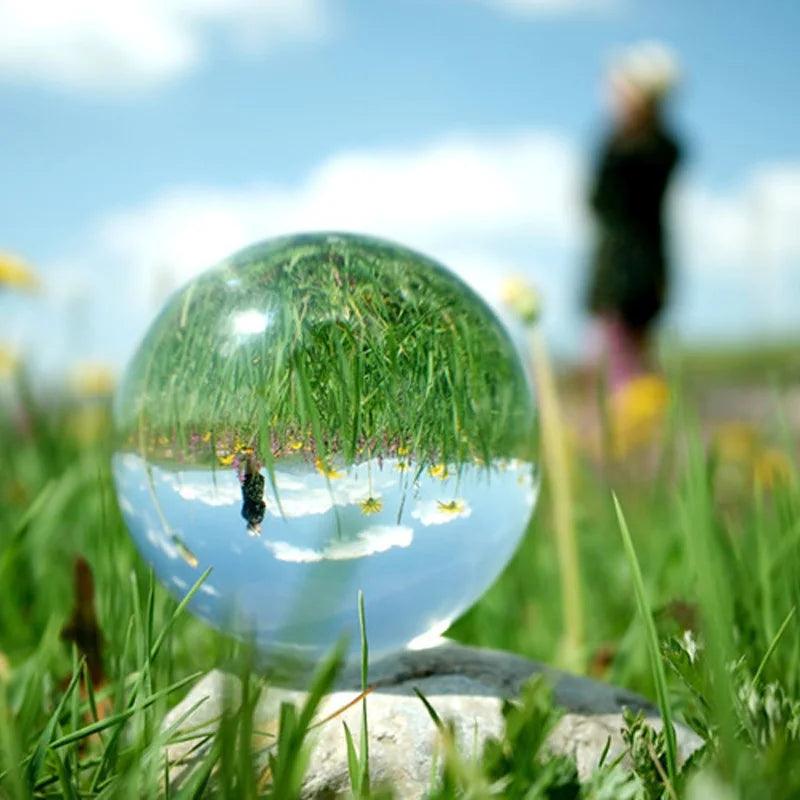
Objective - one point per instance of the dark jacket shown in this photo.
(629, 270)
(253, 505)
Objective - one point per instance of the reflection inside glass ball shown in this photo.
(322, 415)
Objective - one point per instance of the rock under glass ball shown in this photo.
(320, 415)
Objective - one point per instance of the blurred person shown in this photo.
(630, 271)
(253, 505)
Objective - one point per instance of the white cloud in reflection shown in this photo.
(284, 551)
(375, 539)
(159, 539)
(222, 489)
(300, 494)
(439, 512)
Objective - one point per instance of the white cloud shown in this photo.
(116, 46)
(475, 202)
(285, 551)
(375, 539)
(486, 206)
(539, 7)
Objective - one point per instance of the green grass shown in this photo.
(708, 628)
(367, 350)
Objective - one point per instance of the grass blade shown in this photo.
(653, 650)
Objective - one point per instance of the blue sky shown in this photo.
(207, 120)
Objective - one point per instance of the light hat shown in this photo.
(649, 67)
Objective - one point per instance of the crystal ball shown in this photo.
(320, 415)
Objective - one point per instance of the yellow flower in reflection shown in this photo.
(772, 468)
(451, 507)
(324, 469)
(637, 413)
(438, 471)
(184, 552)
(401, 466)
(226, 459)
(92, 379)
(522, 299)
(372, 505)
(17, 274)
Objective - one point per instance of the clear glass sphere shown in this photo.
(319, 415)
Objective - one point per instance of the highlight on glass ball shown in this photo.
(318, 415)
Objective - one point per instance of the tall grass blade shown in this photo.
(653, 650)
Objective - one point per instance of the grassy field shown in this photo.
(308, 342)
(92, 654)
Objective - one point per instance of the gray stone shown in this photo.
(464, 684)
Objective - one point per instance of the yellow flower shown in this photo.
(438, 471)
(402, 451)
(772, 468)
(521, 298)
(185, 553)
(88, 423)
(92, 379)
(295, 444)
(736, 443)
(9, 362)
(16, 273)
(226, 460)
(401, 466)
(372, 505)
(451, 507)
(329, 472)
(637, 413)
(206, 437)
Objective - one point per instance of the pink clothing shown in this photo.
(622, 351)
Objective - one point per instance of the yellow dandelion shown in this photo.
(9, 362)
(329, 472)
(637, 413)
(772, 468)
(92, 379)
(17, 274)
(402, 450)
(451, 506)
(226, 459)
(185, 553)
(521, 298)
(736, 443)
(438, 471)
(295, 444)
(206, 437)
(372, 505)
